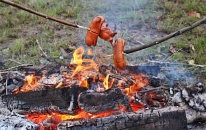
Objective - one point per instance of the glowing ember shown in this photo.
(139, 83)
(57, 117)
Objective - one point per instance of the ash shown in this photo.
(11, 120)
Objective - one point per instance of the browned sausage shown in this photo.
(95, 27)
(118, 55)
(106, 33)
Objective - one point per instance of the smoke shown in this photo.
(136, 20)
(176, 74)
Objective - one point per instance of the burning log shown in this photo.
(95, 102)
(40, 100)
(169, 118)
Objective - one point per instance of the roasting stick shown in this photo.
(181, 31)
(43, 15)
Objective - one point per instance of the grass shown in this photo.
(17, 25)
(175, 18)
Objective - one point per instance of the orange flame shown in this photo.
(31, 82)
(89, 64)
(105, 83)
(139, 83)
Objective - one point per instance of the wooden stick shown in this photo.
(14, 67)
(43, 15)
(45, 55)
(174, 34)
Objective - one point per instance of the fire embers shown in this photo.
(156, 98)
(51, 122)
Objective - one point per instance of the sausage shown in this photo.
(106, 33)
(118, 55)
(93, 33)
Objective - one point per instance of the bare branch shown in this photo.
(174, 34)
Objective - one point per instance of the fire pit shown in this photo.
(84, 95)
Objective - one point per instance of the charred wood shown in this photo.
(153, 97)
(40, 100)
(169, 118)
(10, 82)
(95, 102)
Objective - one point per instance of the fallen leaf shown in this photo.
(192, 47)
(138, 39)
(172, 49)
(191, 62)
(160, 17)
(198, 15)
(193, 14)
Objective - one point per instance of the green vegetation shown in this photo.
(20, 29)
(191, 45)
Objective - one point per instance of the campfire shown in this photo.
(83, 92)
(93, 91)
(86, 94)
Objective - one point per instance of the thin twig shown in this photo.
(7, 78)
(174, 34)
(152, 89)
(196, 65)
(6, 72)
(15, 61)
(14, 67)
(45, 55)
